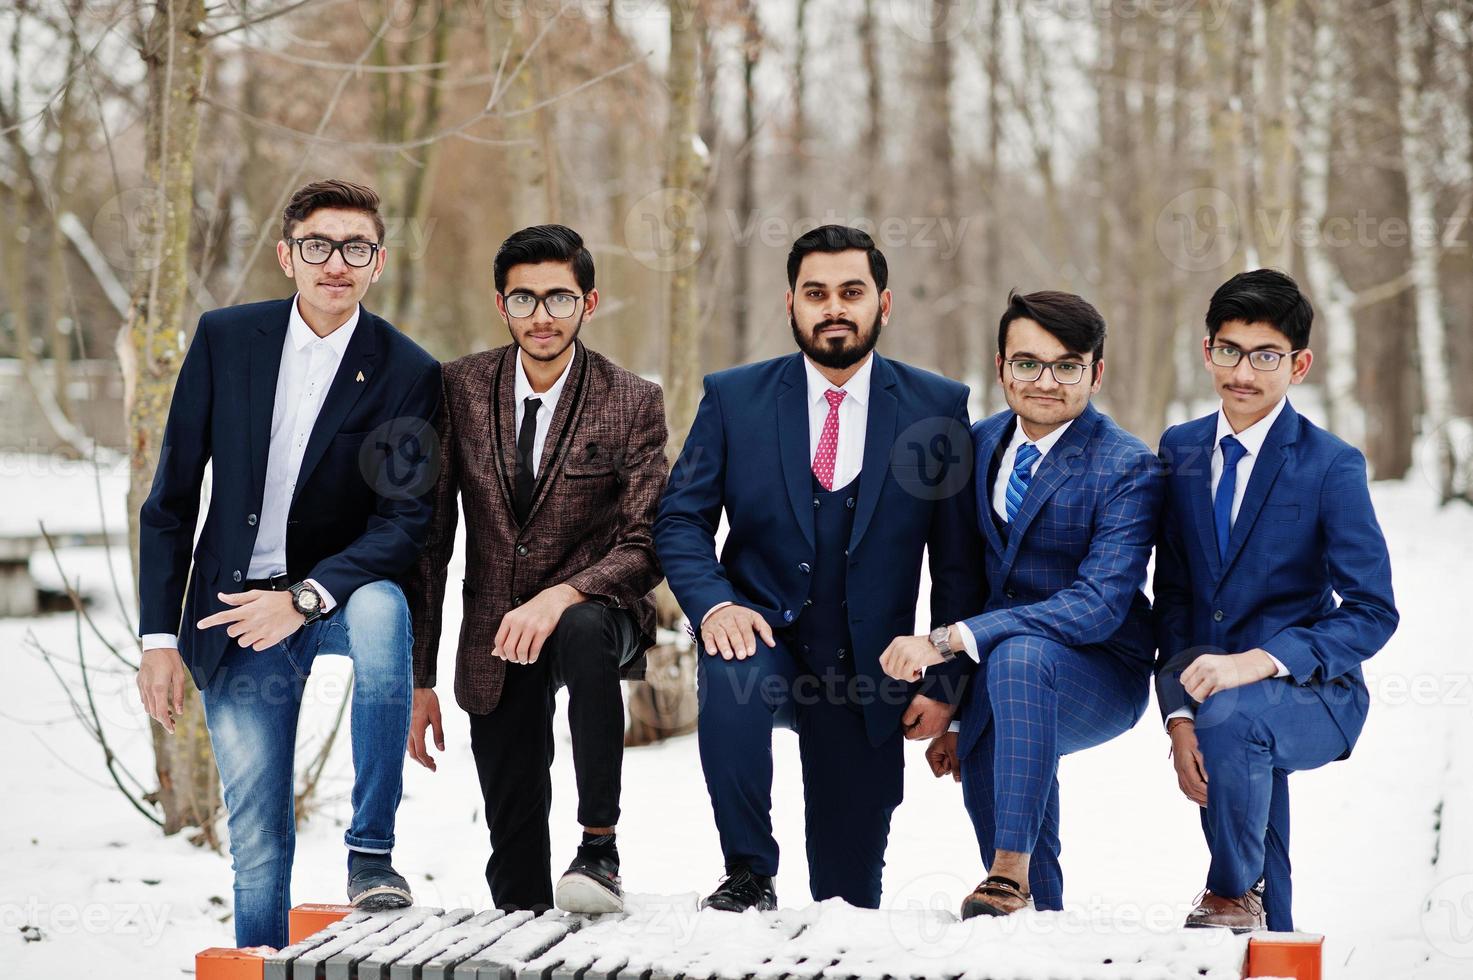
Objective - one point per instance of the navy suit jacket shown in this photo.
(361, 509)
(748, 452)
(1073, 565)
(1305, 532)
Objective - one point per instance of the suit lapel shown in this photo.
(358, 363)
(992, 441)
(1199, 492)
(792, 439)
(1265, 471)
(1052, 473)
(879, 439)
(263, 372)
(504, 421)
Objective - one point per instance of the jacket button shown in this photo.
(807, 603)
(516, 600)
(849, 503)
(1217, 616)
(522, 550)
(815, 502)
(1011, 593)
(251, 519)
(787, 615)
(804, 567)
(841, 653)
(235, 575)
(805, 649)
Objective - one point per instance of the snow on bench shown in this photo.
(669, 938)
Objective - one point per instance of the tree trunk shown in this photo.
(151, 347)
(872, 151)
(1447, 467)
(665, 703)
(1227, 125)
(746, 163)
(799, 135)
(1273, 222)
(944, 301)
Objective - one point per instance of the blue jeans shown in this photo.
(251, 707)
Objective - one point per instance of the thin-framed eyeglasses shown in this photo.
(1031, 369)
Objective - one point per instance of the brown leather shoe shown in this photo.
(996, 896)
(1241, 914)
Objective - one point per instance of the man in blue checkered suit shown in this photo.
(1067, 503)
(1267, 519)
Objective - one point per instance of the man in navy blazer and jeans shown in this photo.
(835, 468)
(1268, 518)
(317, 417)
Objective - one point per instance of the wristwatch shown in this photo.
(306, 601)
(941, 640)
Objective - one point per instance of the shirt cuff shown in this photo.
(160, 641)
(969, 642)
(328, 602)
(1187, 713)
(1280, 669)
(719, 605)
(955, 725)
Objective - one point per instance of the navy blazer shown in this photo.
(361, 509)
(1073, 564)
(748, 453)
(1305, 532)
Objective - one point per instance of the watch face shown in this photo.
(307, 600)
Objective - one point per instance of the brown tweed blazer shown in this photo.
(599, 483)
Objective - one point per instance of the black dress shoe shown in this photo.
(741, 890)
(591, 884)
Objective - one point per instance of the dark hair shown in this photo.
(837, 238)
(331, 193)
(1262, 296)
(544, 243)
(1071, 320)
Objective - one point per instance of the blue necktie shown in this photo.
(1222, 503)
(1019, 479)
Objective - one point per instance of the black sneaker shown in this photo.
(374, 885)
(741, 890)
(590, 886)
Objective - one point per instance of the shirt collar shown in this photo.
(549, 398)
(302, 335)
(856, 387)
(1042, 445)
(1251, 438)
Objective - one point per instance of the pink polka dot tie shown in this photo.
(828, 441)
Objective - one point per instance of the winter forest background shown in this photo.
(1135, 151)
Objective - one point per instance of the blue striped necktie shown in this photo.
(1021, 476)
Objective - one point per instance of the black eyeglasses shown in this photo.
(1064, 372)
(558, 305)
(316, 251)
(1259, 360)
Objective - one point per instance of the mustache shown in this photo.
(836, 323)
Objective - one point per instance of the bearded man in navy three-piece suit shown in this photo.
(836, 468)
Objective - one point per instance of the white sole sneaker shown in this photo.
(582, 894)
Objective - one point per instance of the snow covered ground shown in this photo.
(1383, 843)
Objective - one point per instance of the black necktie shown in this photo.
(526, 439)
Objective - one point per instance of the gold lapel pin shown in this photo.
(360, 375)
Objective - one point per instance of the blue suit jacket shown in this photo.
(1074, 562)
(1304, 532)
(748, 453)
(361, 509)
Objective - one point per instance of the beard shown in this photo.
(838, 353)
(550, 355)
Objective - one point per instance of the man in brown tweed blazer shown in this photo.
(558, 457)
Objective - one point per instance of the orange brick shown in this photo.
(1285, 954)
(218, 963)
(307, 919)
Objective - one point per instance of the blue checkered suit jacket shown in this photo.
(1073, 562)
(1304, 532)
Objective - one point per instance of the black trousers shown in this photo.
(513, 747)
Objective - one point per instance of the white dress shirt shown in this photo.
(308, 365)
(549, 400)
(1000, 495)
(853, 422)
(1251, 439)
